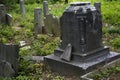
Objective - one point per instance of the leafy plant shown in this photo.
(115, 42)
(103, 75)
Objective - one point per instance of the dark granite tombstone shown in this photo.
(81, 49)
(8, 60)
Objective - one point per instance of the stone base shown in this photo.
(78, 68)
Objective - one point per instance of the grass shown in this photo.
(104, 75)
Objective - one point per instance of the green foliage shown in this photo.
(6, 33)
(111, 30)
(115, 42)
(33, 1)
(8, 2)
(103, 75)
(110, 12)
(45, 45)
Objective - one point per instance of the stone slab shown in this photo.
(78, 68)
(9, 54)
(37, 58)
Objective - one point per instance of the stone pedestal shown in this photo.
(78, 68)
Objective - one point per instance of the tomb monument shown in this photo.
(81, 49)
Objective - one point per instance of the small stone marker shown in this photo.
(5, 18)
(81, 49)
(45, 8)
(38, 20)
(9, 19)
(22, 8)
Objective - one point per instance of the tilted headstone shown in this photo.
(38, 20)
(8, 60)
(81, 48)
(22, 8)
(2, 14)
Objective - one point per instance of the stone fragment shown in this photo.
(6, 69)
(67, 53)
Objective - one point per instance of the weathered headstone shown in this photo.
(81, 49)
(2, 14)
(51, 22)
(48, 23)
(22, 8)
(38, 20)
(52, 25)
(5, 18)
(56, 26)
(45, 8)
(8, 60)
(8, 19)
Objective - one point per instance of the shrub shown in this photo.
(111, 30)
(6, 33)
(115, 42)
(8, 2)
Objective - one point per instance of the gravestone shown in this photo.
(52, 25)
(22, 8)
(81, 48)
(9, 19)
(38, 20)
(8, 60)
(45, 8)
(5, 18)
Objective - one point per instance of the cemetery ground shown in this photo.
(22, 29)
